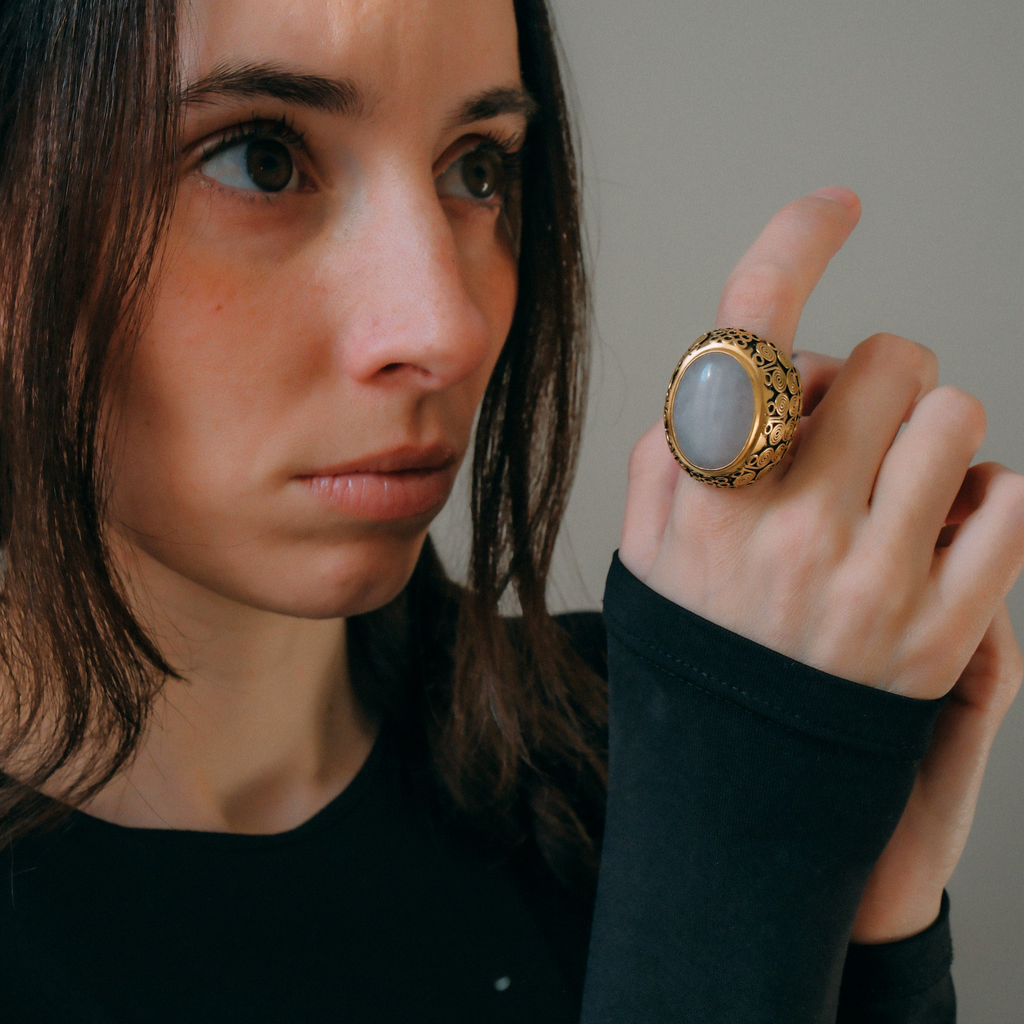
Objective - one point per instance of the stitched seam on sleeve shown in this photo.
(898, 748)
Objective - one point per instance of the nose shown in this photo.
(412, 317)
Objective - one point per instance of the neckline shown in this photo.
(337, 808)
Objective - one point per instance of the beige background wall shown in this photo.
(698, 120)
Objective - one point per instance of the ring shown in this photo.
(732, 408)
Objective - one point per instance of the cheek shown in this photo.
(207, 378)
(490, 274)
(240, 356)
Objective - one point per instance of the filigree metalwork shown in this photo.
(778, 402)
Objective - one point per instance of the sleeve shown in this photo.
(906, 982)
(749, 797)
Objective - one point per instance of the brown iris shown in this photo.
(483, 173)
(269, 164)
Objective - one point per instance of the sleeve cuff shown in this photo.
(896, 970)
(760, 680)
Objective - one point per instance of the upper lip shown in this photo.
(395, 460)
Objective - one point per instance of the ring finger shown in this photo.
(924, 470)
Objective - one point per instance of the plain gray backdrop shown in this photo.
(698, 120)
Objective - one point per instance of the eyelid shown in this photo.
(255, 128)
(508, 148)
(497, 200)
(240, 133)
(508, 143)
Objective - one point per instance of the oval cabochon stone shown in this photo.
(713, 410)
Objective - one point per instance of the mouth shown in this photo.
(405, 459)
(401, 483)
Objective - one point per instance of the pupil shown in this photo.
(269, 164)
(482, 174)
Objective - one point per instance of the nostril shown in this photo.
(400, 371)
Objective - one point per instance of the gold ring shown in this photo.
(728, 426)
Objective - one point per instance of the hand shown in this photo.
(904, 892)
(835, 558)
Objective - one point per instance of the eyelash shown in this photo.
(282, 130)
(508, 147)
(509, 150)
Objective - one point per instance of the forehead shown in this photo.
(428, 49)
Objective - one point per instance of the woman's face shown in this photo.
(337, 283)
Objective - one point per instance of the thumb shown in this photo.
(952, 771)
(653, 476)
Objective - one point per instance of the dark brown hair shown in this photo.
(510, 719)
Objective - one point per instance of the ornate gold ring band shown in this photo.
(732, 408)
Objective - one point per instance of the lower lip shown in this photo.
(384, 496)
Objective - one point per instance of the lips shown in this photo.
(408, 458)
(401, 483)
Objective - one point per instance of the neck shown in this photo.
(261, 731)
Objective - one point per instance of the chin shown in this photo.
(304, 576)
(354, 578)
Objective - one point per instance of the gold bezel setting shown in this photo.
(778, 402)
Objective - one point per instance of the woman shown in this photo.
(263, 269)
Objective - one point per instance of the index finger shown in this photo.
(766, 292)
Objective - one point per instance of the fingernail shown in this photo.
(838, 194)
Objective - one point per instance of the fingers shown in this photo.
(992, 678)
(952, 772)
(817, 374)
(857, 421)
(924, 471)
(653, 476)
(767, 291)
(986, 556)
(936, 823)
(655, 479)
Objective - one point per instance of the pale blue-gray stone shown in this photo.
(714, 410)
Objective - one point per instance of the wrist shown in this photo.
(903, 915)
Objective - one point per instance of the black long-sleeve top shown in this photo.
(749, 798)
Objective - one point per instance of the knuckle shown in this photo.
(962, 411)
(896, 354)
(1011, 490)
(640, 458)
(877, 347)
(999, 481)
(922, 359)
(1014, 484)
(637, 460)
(874, 355)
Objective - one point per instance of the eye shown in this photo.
(479, 175)
(253, 165)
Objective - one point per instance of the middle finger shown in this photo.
(855, 424)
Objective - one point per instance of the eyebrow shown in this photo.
(494, 103)
(338, 95)
(332, 95)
